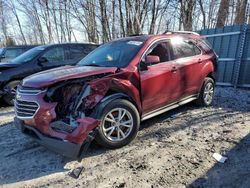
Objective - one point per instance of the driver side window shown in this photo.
(54, 54)
(162, 50)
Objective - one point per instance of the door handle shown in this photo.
(199, 60)
(174, 69)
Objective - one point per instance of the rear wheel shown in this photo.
(119, 124)
(10, 88)
(206, 95)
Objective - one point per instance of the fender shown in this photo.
(207, 69)
(101, 105)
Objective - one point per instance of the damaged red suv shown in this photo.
(109, 92)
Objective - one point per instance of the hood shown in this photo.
(52, 76)
(5, 65)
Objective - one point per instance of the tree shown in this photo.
(10, 41)
(14, 11)
(240, 11)
(187, 9)
(222, 13)
(3, 23)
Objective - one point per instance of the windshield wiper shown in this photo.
(92, 65)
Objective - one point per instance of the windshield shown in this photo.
(28, 55)
(113, 54)
(1, 51)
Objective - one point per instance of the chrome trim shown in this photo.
(28, 105)
(182, 32)
(26, 117)
(169, 107)
(30, 92)
(24, 112)
(20, 108)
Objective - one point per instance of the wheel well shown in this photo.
(123, 96)
(211, 75)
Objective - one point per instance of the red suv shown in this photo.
(109, 92)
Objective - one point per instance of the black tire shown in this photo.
(131, 111)
(201, 101)
(9, 96)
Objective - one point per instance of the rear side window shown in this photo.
(185, 49)
(79, 52)
(54, 54)
(205, 45)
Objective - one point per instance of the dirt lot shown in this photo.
(172, 150)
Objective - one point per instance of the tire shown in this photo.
(11, 89)
(206, 94)
(110, 128)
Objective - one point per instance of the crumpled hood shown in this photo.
(52, 76)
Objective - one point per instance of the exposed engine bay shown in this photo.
(75, 100)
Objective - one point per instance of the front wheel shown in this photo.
(120, 123)
(206, 95)
(10, 89)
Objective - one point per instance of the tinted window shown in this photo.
(113, 54)
(54, 54)
(161, 50)
(12, 53)
(78, 51)
(185, 49)
(28, 55)
(205, 45)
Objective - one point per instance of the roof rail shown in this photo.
(181, 32)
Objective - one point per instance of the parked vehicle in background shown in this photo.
(38, 59)
(109, 92)
(9, 53)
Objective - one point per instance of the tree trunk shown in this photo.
(187, 9)
(55, 21)
(152, 24)
(240, 12)
(203, 14)
(121, 19)
(3, 21)
(222, 13)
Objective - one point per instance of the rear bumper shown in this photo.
(63, 147)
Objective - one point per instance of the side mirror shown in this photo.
(42, 60)
(152, 59)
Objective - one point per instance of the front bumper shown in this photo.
(61, 146)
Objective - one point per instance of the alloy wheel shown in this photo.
(117, 124)
(208, 93)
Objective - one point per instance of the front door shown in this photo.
(160, 82)
(55, 56)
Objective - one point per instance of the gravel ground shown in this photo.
(171, 150)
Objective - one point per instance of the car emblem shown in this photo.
(18, 96)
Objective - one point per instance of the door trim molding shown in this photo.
(168, 107)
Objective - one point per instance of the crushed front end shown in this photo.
(57, 117)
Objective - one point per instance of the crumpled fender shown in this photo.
(100, 87)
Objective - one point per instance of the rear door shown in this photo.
(160, 83)
(189, 59)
